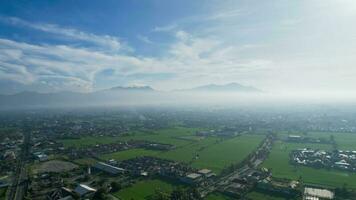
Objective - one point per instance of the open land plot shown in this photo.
(278, 162)
(143, 189)
(85, 161)
(54, 166)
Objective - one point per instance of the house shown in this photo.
(84, 190)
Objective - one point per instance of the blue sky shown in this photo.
(277, 45)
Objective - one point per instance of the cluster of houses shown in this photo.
(226, 132)
(239, 184)
(345, 160)
(151, 166)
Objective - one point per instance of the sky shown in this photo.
(280, 46)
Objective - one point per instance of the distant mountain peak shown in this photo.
(133, 88)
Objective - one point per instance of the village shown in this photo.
(338, 159)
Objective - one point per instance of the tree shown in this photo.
(115, 186)
(99, 194)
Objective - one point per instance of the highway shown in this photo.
(253, 161)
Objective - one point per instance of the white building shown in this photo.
(317, 194)
(108, 168)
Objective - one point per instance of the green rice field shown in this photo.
(143, 189)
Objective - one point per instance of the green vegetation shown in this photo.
(261, 196)
(3, 193)
(165, 136)
(143, 189)
(217, 196)
(188, 152)
(278, 162)
(344, 141)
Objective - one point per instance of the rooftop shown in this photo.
(193, 176)
(204, 171)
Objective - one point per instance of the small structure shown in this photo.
(40, 156)
(317, 194)
(108, 168)
(207, 173)
(84, 190)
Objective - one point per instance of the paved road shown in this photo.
(19, 184)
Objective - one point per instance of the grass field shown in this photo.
(278, 162)
(261, 196)
(143, 189)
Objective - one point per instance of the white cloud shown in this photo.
(71, 68)
(167, 28)
(144, 39)
(105, 41)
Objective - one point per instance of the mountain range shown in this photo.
(110, 96)
(231, 87)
